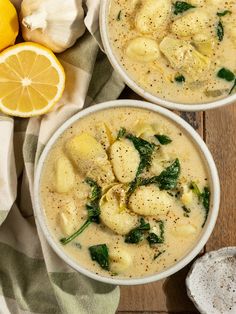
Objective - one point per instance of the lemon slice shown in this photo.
(31, 80)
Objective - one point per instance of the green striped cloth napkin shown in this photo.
(33, 279)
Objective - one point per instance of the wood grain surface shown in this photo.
(218, 129)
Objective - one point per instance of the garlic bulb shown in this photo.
(56, 24)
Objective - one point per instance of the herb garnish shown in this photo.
(220, 31)
(226, 74)
(92, 207)
(203, 197)
(181, 6)
(99, 253)
(180, 79)
(163, 139)
(119, 16)
(136, 234)
(223, 13)
(153, 238)
(158, 254)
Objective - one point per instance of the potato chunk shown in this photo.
(65, 176)
(125, 160)
(143, 49)
(191, 23)
(150, 201)
(184, 58)
(153, 16)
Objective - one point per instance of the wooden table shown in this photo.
(218, 129)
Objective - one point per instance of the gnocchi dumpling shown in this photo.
(185, 230)
(125, 160)
(153, 16)
(184, 58)
(64, 175)
(150, 201)
(191, 23)
(68, 217)
(143, 49)
(114, 214)
(120, 260)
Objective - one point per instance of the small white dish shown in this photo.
(211, 282)
(104, 9)
(213, 180)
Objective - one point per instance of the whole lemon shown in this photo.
(9, 26)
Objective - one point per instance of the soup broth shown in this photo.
(137, 184)
(179, 51)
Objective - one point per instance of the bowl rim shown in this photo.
(137, 88)
(200, 145)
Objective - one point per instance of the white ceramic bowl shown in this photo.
(212, 173)
(104, 8)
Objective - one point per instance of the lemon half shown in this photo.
(32, 80)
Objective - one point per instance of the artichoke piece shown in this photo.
(153, 16)
(184, 58)
(143, 49)
(204, 44)
(191, 23)
(114, 213)
(90, 158)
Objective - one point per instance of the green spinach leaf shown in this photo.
(119, 16)
(92, 207)
(182, 6)
(167, 180)
(204, 197)
(158, 254)
(99, 253)
(226, 74)
(232, 88)
(163, 139)
(153, 238)
(145, 150)
(121, 133)
(223, 13)
(220, 31)
(136, 234)
(180, 79)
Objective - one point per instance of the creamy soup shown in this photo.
(125, 192)
(179, 51)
